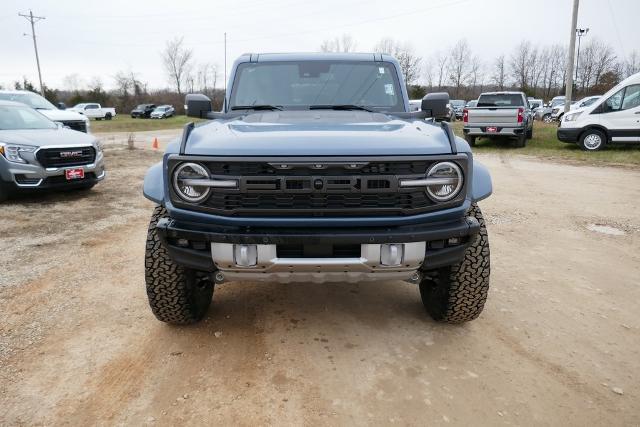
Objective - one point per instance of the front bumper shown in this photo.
(194, 246)
(25, 176)
(568, 134)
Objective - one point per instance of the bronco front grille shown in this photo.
(324, 187)
(63, 157)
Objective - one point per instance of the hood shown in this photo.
(46, 137)
(317, 133)
(60, 115)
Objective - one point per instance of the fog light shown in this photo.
(183, 243)
(245, 255)
(391, 254)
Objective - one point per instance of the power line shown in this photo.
(33, 19)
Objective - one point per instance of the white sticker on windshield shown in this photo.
(388, 89)
(380, 70)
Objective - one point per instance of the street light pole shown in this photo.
(33, 19)
(580, 32)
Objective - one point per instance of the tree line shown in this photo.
(539, 71)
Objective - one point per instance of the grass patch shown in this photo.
(124, 123)
(546, 144)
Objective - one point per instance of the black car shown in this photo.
(143, 111)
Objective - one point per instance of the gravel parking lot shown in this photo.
(558, 343)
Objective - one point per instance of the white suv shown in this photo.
(614, 118)
(70, 119)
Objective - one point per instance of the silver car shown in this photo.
(37, 153)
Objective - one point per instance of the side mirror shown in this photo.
(198, 105)
(435, 105)
(61, 106)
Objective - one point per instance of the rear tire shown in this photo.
(176, 295)
(530, 134)
(108, 116)
(521, 141)
(457, 294)
(471, 140)
(592, 140)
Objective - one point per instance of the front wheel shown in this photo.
(547, 118)
(457, 294)
(176, 295)
(592, 140)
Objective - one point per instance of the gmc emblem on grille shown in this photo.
(69, 154)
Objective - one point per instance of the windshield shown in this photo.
(160, 108)
(299, 85)
(33, 100)
(500, 100)
(458, 103)
(556, 102)
(141, 107)
(18, 117)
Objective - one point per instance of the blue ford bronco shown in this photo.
(316, 171)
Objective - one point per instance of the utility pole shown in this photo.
(580, 32)
(33, 19)
(570, 56)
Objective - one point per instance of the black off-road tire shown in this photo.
(530, 134)
(456, 294)
(521, 141)
(471, 140)
(176, 295)
(108, 116)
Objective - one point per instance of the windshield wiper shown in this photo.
(345, 107)
(256, 107)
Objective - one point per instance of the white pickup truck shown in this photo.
(499, 115)
(94, 111)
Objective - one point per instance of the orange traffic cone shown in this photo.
(155, 145)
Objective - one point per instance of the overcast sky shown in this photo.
(92, 38)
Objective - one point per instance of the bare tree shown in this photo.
(499, 73)
(476, 75)
(604, 59)
(631, 64)
(404, 53)
(520, 65)
(458, 68)
(441, 62)
(177, 62)
(428, 73)
(344, 43)
(73, 82)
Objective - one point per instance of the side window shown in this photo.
(614, 102)
(631, 97)
(92, 106)
(624, 99)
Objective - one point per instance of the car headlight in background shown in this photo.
(183, 182)
(443, 181)
(572, 117)
(12, 152)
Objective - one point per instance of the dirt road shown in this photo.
(558, 343)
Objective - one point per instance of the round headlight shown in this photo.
(447, 181)
(183, 182)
